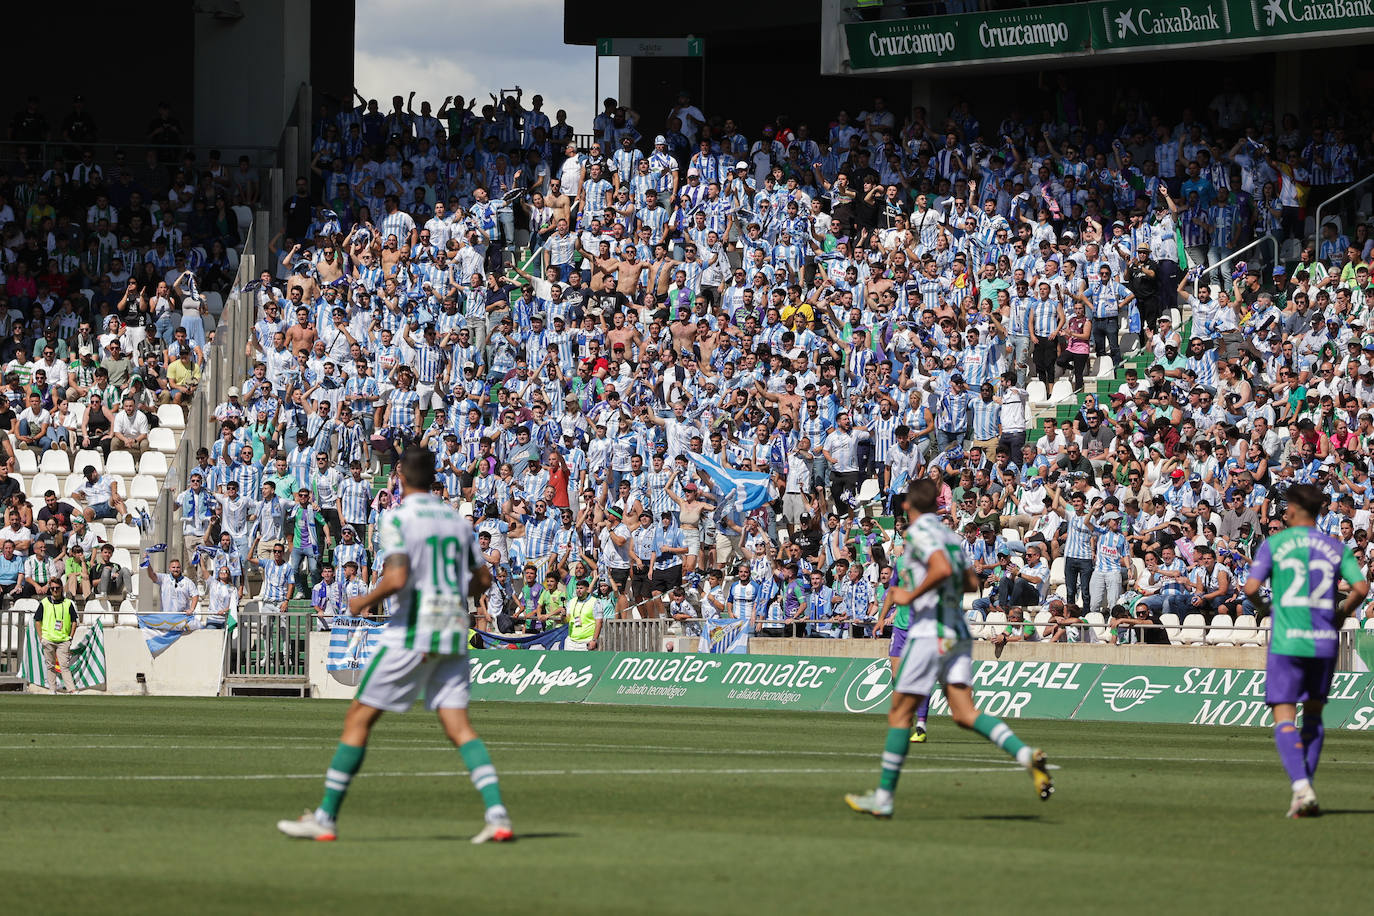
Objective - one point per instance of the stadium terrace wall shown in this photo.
(1011, 689)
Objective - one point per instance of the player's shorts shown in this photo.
(1297, 679)
(898, 640)
(665, 580)
(394, 678)
(927, 659)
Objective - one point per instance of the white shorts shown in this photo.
(927, 659)
(394, 678)
(793, 505)
(576, 645)
(691, 537)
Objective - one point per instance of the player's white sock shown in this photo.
(497, 813)
(323, 818)
(1024, 756)
(1302, 785)
(882, 796)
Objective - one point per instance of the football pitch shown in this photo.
(150, 806)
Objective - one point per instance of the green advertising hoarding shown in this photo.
(719, 681)
(1205, 696)
(550, 677)
(1009, 689)
(1098, 27)
(1013, 690)
(1120, 24)
(934, 40)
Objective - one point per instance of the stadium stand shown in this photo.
(1027, 315)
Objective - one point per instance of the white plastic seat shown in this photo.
(1011, 534)
(1246, 632)
(162, 439)
(1219, 633)
(245, 217)
(868, 490)
(1351, 623)
(1097, 625)
(1042, 622)
(1266, 626)
(1171, 628)
(1105, 367)
(99, 529)
(1193, 632)
(42, 483)
(993, 623)
(122, 557)
(89, 456)
(144, 487)
(25, 605)
(128, 614)
(1062, 391)
(975, 623)
(28, 461)
(1036, 393)
(126, 536)
(55, 461)
(71, 484)
(1138, 568)
(214, 302)
(100, 608)
(1057, 572)
(171, 417)
(154, 464)
(121, 463)
(1369, 625)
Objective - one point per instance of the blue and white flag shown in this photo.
(161, 630)
(749, 489)
(352, 640)
(724, 635)
(549, 639)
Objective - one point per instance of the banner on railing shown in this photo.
(552, 676)
(724, 635)
(739, 682)
(352, 640)
(87, 664)
(1012, 690)
(161, 630)
(549, 639)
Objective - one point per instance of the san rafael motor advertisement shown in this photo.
(1010, 689)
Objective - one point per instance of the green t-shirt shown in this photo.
(1303, 566)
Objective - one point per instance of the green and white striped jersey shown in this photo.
(938, 613)
(431, 613)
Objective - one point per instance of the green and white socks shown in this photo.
(894, 755)
(1000, 734)
(483, 775)
(348, 760)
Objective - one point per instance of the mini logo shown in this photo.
(1130, 693)
(869, 687)
(1274, 10)
(1124, 24)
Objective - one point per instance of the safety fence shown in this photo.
(12, 625)
(267, 645)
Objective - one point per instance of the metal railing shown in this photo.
(634, 635)
(269, 645)
(1317, 231)
(44, 152)
(12, 626)
(1262, 240)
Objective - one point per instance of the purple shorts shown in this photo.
(898, 640)
(1297, 679)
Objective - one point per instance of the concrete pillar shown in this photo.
(1287, 85)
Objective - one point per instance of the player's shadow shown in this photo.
(1000, 817)
(454, 837)
(1336, 812)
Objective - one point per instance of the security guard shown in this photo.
(57, 619)
(584, 626)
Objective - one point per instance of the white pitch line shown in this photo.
(769, 771)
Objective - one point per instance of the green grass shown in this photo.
(642, 810)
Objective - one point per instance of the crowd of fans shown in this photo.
(840, 307)
(108, 262)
